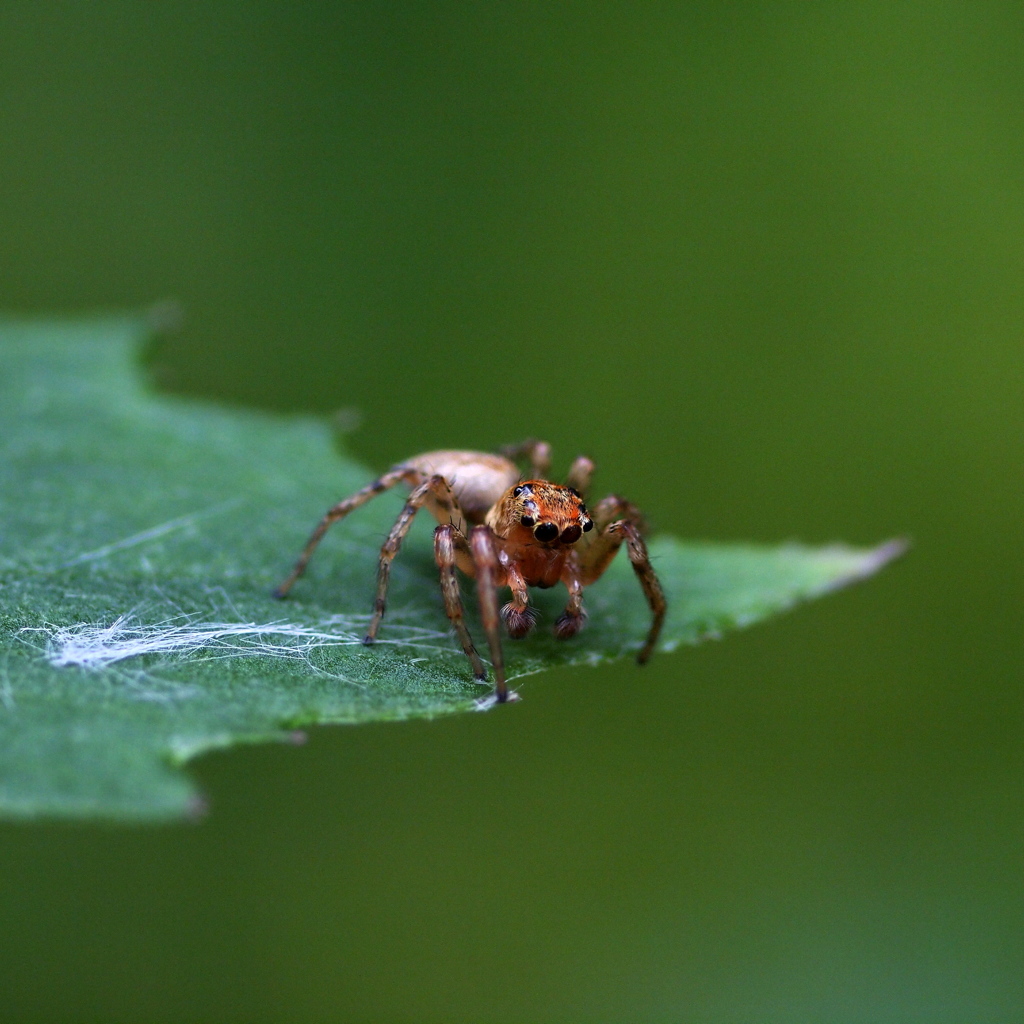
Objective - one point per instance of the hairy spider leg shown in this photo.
(595, 551)
(448, 540)
(518, 616)
(538, 452)
(488, 569)
(641, 562)
(436, 488)
(339, 511)
(618, 520)
(579, 476)
(570, 622)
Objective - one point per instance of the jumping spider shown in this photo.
(505, 532)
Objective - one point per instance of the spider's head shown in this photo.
(540, 512)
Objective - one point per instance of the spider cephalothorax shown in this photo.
(540, 512)
(505, 532)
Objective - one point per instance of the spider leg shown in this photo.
(435, 488)
(580, 473)
(339, 511)
(618, 520)
(518, 616)
(571, 621)
(485, 557)
(641, 562)
(538, 452)
(595, 550)
(447, 539)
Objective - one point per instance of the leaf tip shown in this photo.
(872, 561)
(885, 553)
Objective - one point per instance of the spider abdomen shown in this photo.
(477, 479)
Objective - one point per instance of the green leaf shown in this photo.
(141, 538)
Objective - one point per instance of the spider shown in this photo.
(505, 532)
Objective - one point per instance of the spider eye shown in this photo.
(571, 534)
(588, 526)
(527, 520)
(573, 491)
(546, 531)
(517, 492)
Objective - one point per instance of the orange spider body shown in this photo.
(505, 532)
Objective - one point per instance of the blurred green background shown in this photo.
(765, 263)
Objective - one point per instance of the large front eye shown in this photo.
(546, 532)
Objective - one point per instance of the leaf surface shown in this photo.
(140, 538)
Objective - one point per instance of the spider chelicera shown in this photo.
(505, 532)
